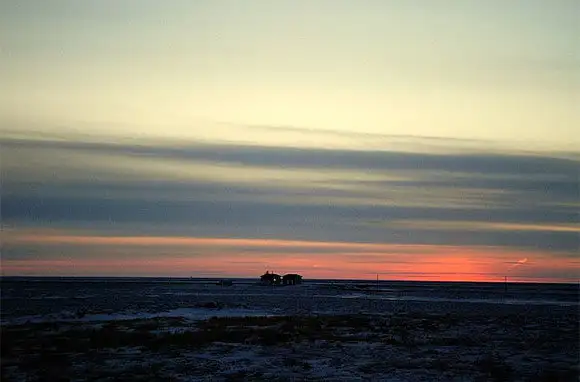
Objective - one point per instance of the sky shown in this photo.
(417, 140)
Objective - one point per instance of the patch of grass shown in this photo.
(245, 375)
(390, 364)
(462, 340)
(495, 368)
(296, 363)
(556, 375)
(440, 364)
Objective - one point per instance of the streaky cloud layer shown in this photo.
(280, 205)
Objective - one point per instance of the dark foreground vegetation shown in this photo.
(327, 347)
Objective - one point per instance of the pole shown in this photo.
(505, 285)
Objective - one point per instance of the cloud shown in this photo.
(441, 225)
(515, 163)
(506, 199)
(518, 263)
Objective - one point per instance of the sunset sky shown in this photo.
(419, 140)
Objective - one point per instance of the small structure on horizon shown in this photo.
(292, 279)
(270, 279)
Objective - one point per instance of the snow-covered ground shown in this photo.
(341, 332)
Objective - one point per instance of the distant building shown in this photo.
(292, 279)
(270, 279)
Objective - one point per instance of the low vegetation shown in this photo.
(498, 349)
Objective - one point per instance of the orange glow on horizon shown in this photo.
(228, 257)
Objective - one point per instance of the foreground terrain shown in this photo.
(406, 347)
(166, 331)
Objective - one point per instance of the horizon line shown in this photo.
(499, 281)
